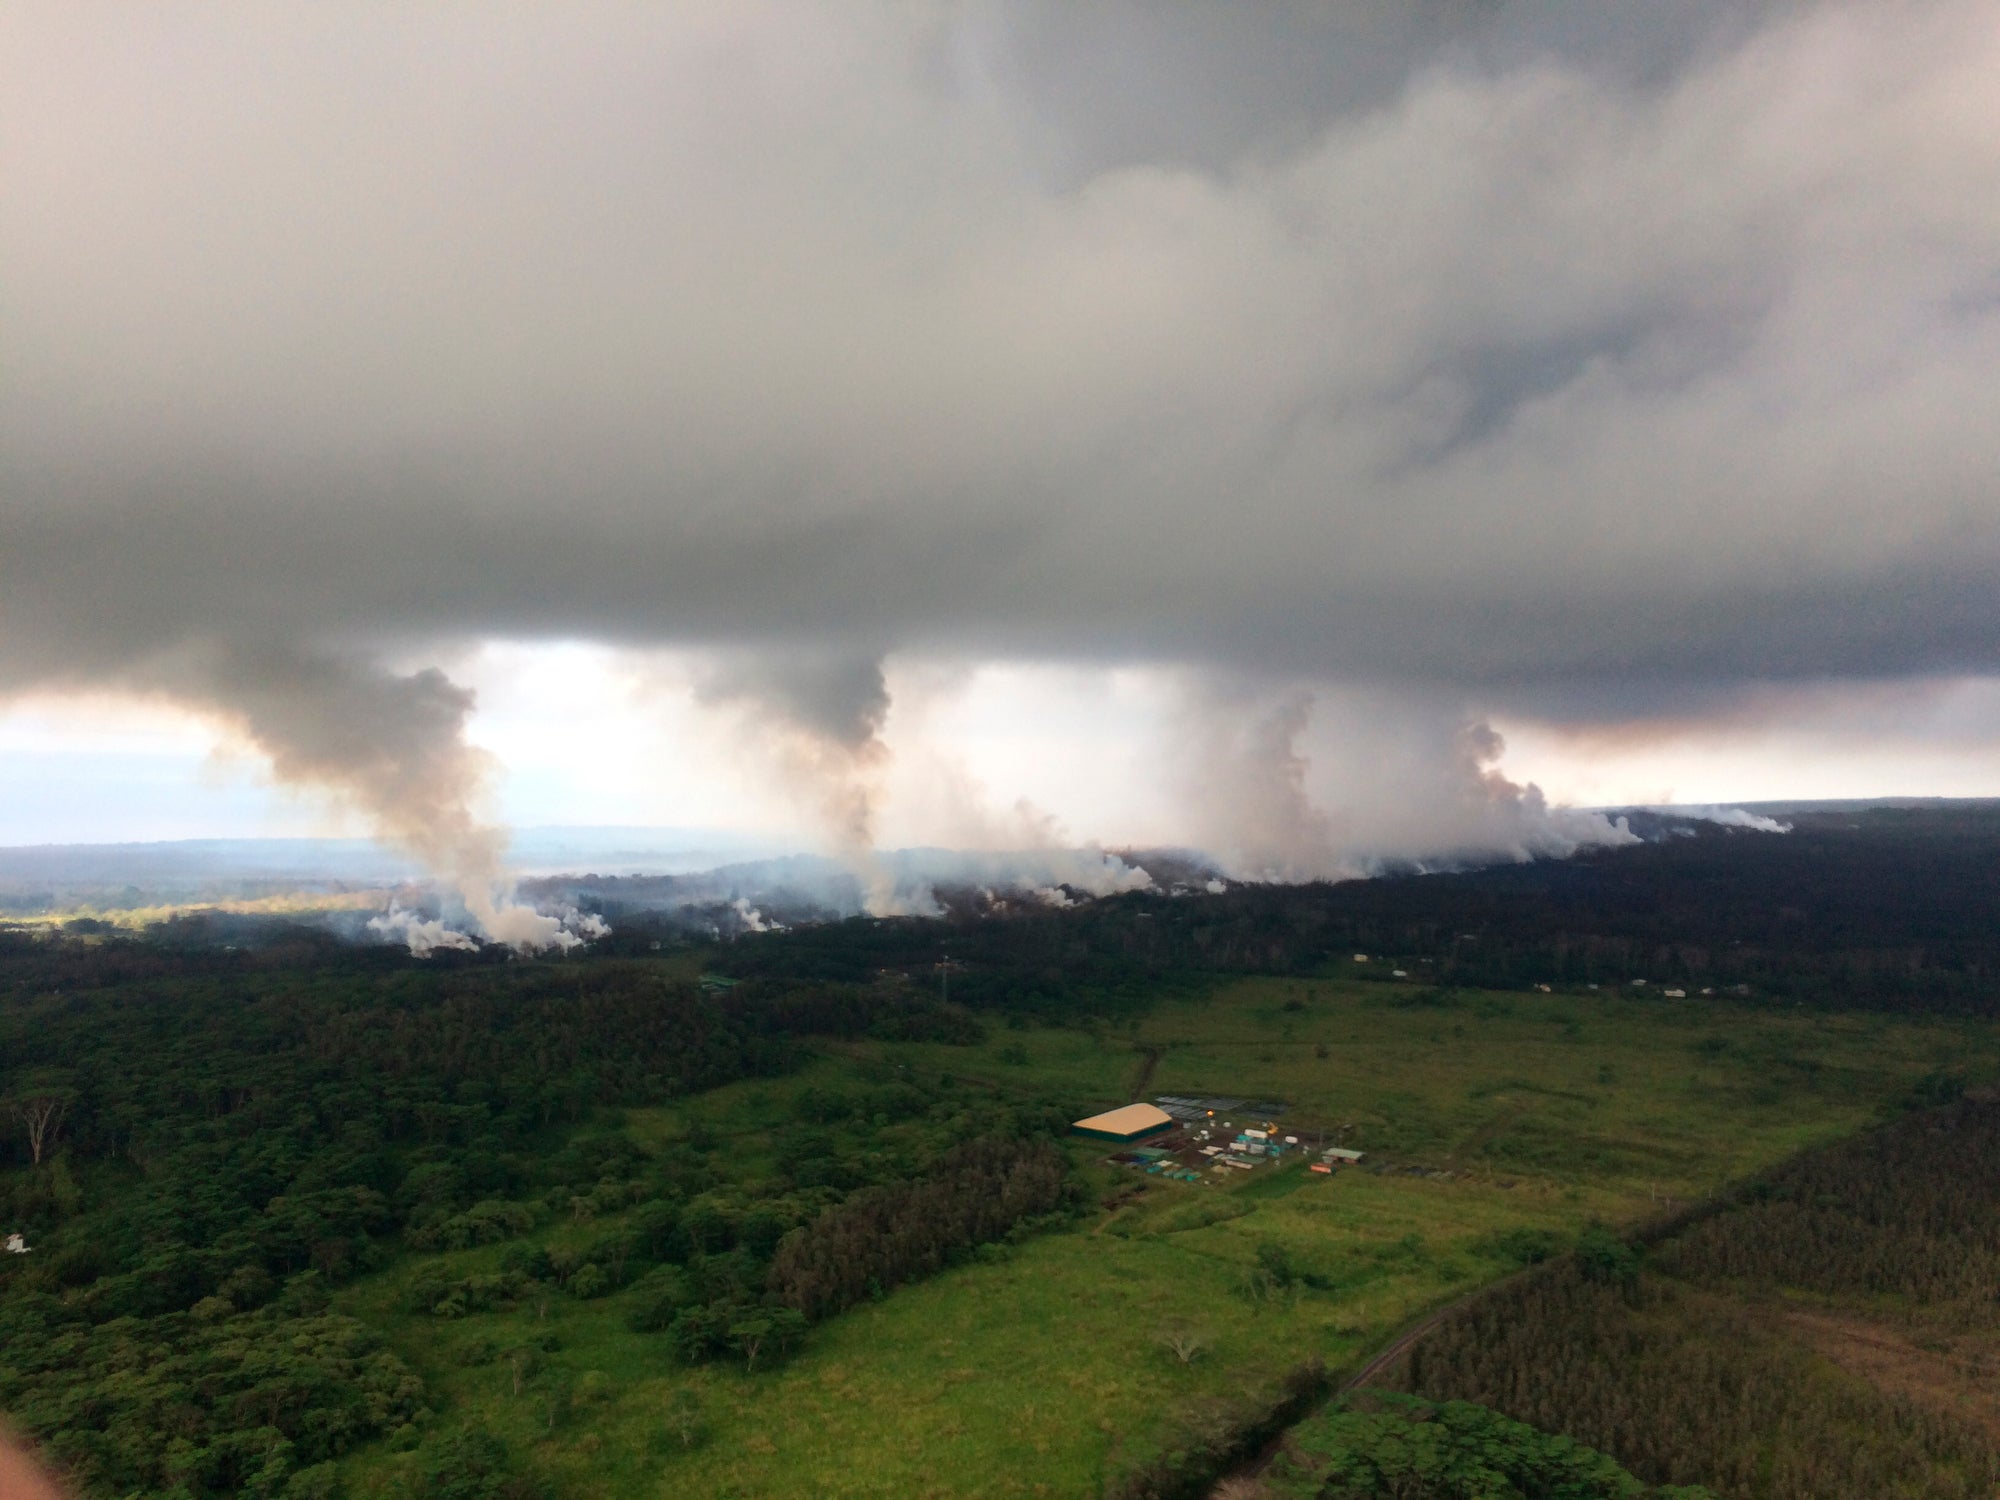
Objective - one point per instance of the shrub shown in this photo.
(1605, 1257)
(1517, 1247)
(470, 1465)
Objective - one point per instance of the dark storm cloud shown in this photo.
(1120, 83)
(1498, 348)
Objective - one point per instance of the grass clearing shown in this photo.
(1038, 1369)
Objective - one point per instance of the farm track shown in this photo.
(1380, 1361)
(1149, 1063)
(1405, 1341)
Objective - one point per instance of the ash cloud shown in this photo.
(1471, 353)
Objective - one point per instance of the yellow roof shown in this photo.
(1130, 1120)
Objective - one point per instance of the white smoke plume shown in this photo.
(751, 918)
(818, 723)
(1379, 778)
(763, 895)
(389, 748)
(1246, 779)
(1034, 874)
(519, 927)
(814, 720)
(1727, 817)
(423, 935)
(1090, 870)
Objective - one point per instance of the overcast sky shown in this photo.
(1156, 417)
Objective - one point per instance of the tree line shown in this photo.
(1376, 1445)
(979, 1192)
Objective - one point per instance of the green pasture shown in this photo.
(1038, 1369)
(1614, 1095)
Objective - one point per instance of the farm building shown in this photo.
(1132, 1123)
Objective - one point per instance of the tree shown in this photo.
(41, 1107)
(523, 1360)
(766, 1327)
(558, 1392)
(749, 1334)
(788, 1326)
(1605, 1257)
(1377, 1444)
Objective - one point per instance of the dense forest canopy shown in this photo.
(227, 1138)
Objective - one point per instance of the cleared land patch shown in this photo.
(1947, 1371)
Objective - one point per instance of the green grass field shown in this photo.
(1040, 1368)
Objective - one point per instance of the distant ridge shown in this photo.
(39, 876)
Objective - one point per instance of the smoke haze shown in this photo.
(1375, 373)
